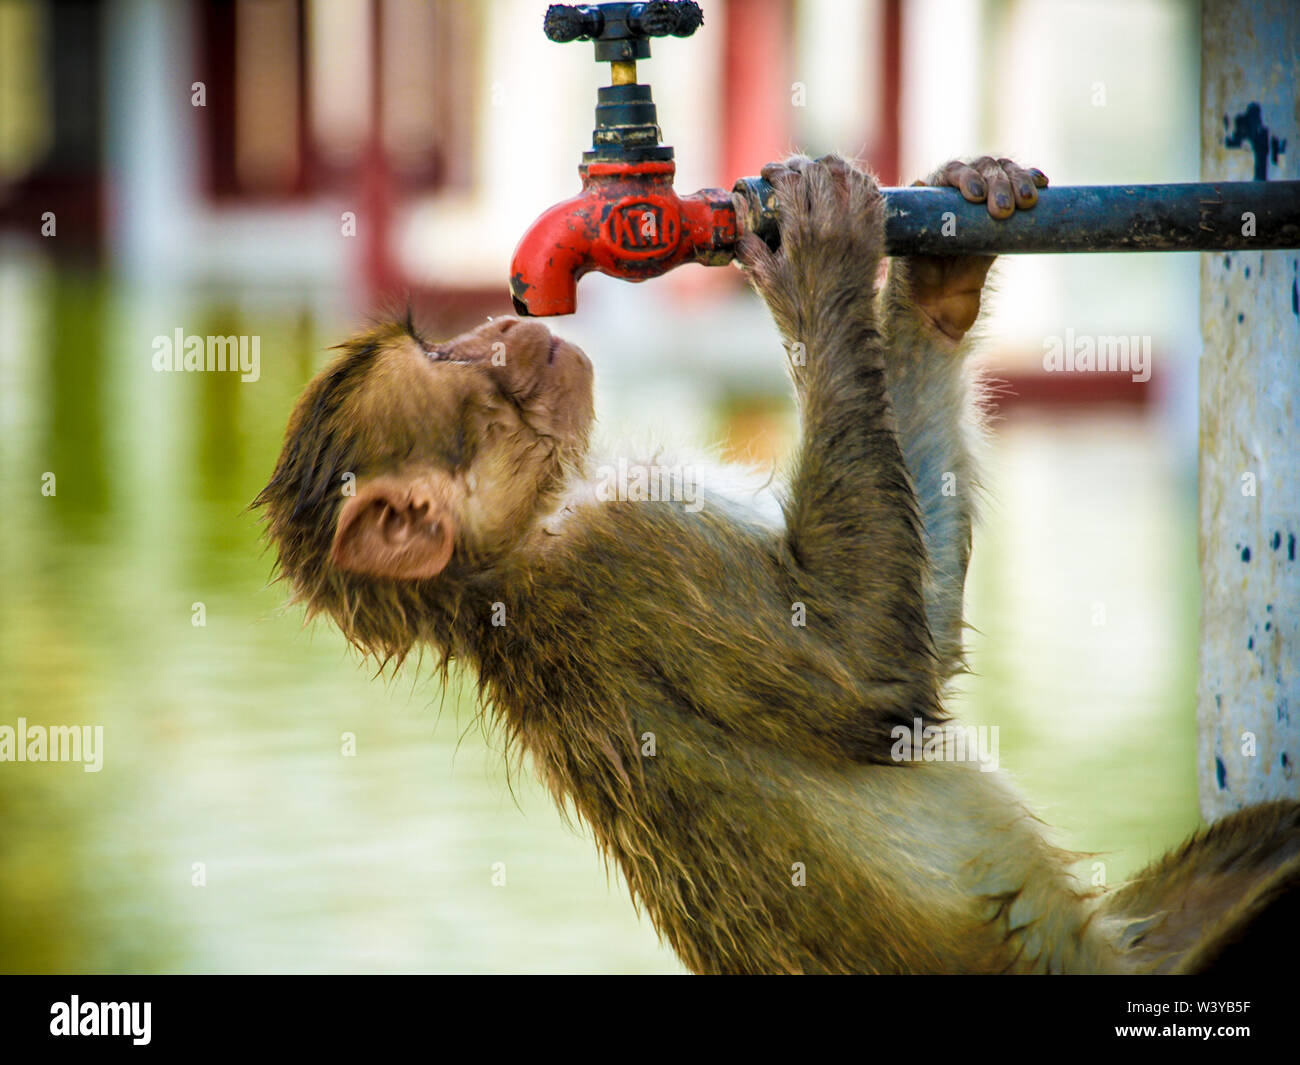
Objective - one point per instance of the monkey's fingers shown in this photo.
(961, 176)
(774, 172)
(1025, 182)
(842, 174)
(752, 252)
(1001, 199)
(1001, 183)
(760, 263)
(785, 178)
(801, 184)
(786, 170)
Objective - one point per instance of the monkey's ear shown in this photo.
(394, 528)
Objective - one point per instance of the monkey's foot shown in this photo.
(946, 288)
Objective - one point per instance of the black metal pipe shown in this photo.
(1080, 218)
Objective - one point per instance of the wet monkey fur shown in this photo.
(476, 500)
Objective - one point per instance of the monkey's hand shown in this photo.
(946, 288)
(832, 238)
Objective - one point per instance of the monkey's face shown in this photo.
(404, 455)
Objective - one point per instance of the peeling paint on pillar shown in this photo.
(1250, 423)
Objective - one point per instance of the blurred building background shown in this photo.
(281, 168)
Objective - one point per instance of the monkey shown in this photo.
(716, 690)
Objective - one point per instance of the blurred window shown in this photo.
(303, 94)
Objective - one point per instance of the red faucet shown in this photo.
(628, 222)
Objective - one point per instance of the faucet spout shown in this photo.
(550, 258)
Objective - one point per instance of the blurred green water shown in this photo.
(223, 741)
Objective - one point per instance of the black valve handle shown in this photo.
(622, 30)
(627, 124)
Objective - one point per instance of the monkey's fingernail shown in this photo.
(1002, 200)
(1026, 190)
(977, 188)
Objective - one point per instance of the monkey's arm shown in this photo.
(852, 527)
(927, 306)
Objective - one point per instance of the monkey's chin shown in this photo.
(563, 351)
